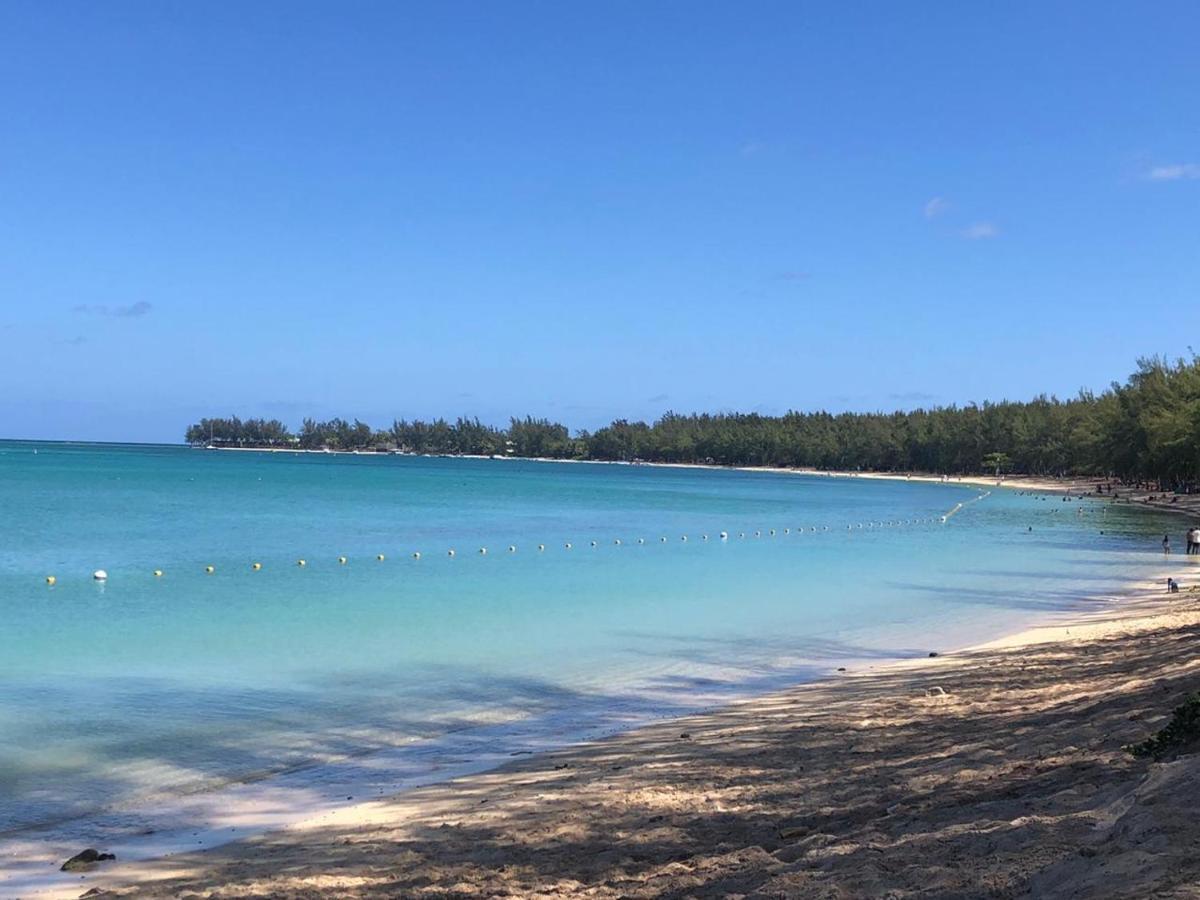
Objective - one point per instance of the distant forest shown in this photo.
(1147, 428)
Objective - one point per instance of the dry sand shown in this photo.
(993, 772)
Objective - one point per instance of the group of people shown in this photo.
(1193, 546)
(1193, 542)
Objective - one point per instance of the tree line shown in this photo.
(1146, 428)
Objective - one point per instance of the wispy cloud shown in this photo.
(658, 398)
(936, 206)
(130, 311)
(980, 231)
(1174, 172)
(912, 397)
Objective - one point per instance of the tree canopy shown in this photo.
(1147, 428)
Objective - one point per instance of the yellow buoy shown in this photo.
(50, 579)
(209, 569)
(256, 566)
(341, 560)
(158, 573)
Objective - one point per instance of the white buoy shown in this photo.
(416, 554)
(100, 575)
(641, 540)
(512, 549)
(684, 538)
(593, 543)
(541, 546)
(662, 540)
(724, 535)
(617, 542)
(449, 552)
(483, 551)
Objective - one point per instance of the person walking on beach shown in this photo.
(1166, 543)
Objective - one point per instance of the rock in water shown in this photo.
(84, 860)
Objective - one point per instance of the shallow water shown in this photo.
(123, 701)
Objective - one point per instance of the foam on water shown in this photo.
(194, 703)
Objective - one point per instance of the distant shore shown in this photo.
(992, 771)
(1185, 504)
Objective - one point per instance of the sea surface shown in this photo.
(149, 711)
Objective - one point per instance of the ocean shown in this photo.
(153, 711)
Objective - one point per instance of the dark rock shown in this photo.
(685, 737)
(85, 860)
(932, 654)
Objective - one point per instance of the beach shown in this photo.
(996, 771)
(627, 718)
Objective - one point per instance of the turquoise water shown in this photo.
(116, 697)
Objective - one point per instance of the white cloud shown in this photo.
(1175, 172)
(980, 231)
(935, 207)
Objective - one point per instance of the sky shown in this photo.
(585, 210)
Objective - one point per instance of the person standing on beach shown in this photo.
(1191, 541)
(1166, 543)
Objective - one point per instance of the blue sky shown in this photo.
(585, 210)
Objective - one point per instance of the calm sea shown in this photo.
(149, 703)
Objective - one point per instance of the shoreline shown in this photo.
(1078, 485)
(1144, 607)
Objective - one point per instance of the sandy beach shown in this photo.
(993, 772)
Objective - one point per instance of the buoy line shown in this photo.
(100, 576)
